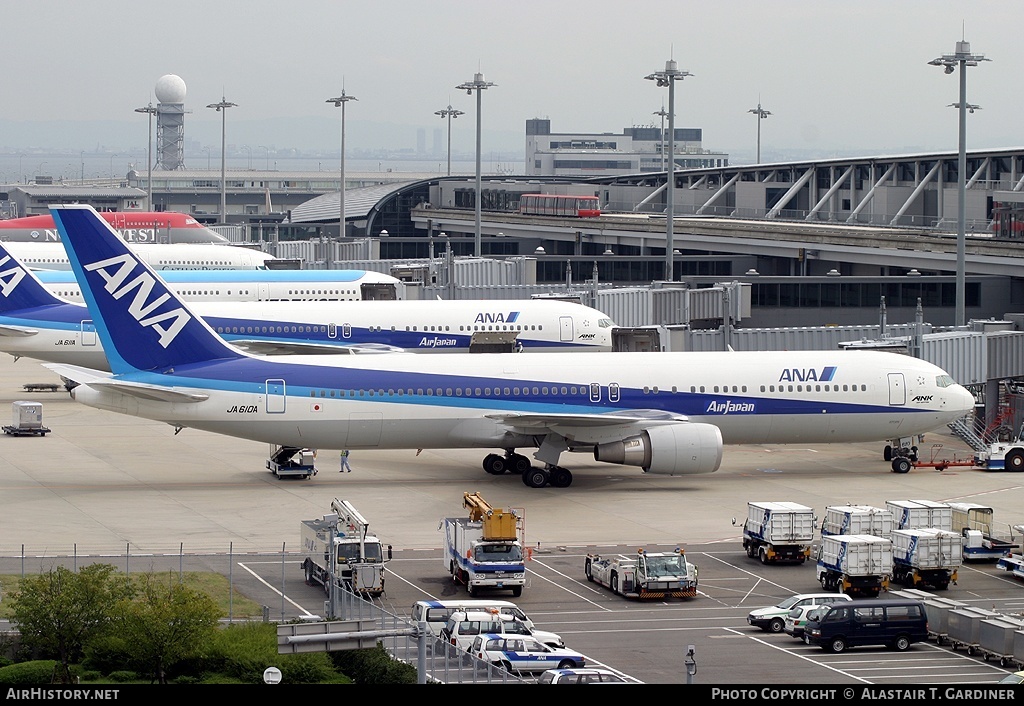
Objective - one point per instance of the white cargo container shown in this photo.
(914, 514)
(926, 556)
(27, 419)
(858, 519)
(856, 564)
(778, 531)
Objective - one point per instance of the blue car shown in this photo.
(519, 653)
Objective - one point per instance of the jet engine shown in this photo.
(672, 449)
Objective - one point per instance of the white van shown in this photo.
(464, 625)
(436, 613)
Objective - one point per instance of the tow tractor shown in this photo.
(646, 575)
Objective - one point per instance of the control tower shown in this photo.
(170, 123)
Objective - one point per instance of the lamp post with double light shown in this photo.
(151, 111)
(761, 114)
(668, 78)
(961, 59)
(662, 113)
(340, 102)
(222, 108)
(449, 113)
(478, 84)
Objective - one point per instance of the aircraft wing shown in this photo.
(589, 428)
(100, 380)
(267, 347)
(17, 331)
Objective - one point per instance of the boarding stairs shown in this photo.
(1000, 429)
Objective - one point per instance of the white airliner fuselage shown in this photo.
(667, 413)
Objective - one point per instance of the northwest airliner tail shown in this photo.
(126, 294)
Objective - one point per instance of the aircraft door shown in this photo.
(275, 398)
(87, 332)
(332, 330)
(897, 389)
(565, 329)
(346, 330)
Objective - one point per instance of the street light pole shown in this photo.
(340, 102)
(268, 155)
(668, 77)
(962, 58)
(222, 108)
(662, 113)
(151, 111)
(112, 166)
(478, 84)
(761, 114)
(449, 113)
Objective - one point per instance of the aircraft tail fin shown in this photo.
(19, 287)
(143, 324)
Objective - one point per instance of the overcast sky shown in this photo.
(838, 77)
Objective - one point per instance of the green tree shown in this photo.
(165, 621)
(58, 612)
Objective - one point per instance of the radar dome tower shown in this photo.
(170, 123)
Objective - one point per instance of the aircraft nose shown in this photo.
(964, 400)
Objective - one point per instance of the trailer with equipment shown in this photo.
(778, 532)
(339, 549)
(485, 550)
(646, 575)
(981, 539)
(855, 564)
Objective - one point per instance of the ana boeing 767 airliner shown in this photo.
(667, 413)
(36, 324)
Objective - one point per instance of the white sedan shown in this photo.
(523, 654)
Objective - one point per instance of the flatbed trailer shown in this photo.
(25, 431)
(1013, 563)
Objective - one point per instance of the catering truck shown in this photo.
(926, 557)
(857, 519)
(485, 550)
(646, 575)
(340, 546)
(855, 564)
(914, 514)
(778, 532)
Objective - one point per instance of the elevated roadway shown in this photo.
(872, 245)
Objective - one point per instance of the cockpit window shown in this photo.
(605, 323)
(944, 381)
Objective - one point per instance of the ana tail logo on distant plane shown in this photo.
(115, 272)
(808, 374)
(9, 278)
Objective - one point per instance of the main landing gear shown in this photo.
(511, 462)
(555, 476)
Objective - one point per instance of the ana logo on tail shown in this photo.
(115, 272)
(9, 278)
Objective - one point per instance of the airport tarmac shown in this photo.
(101, 482)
